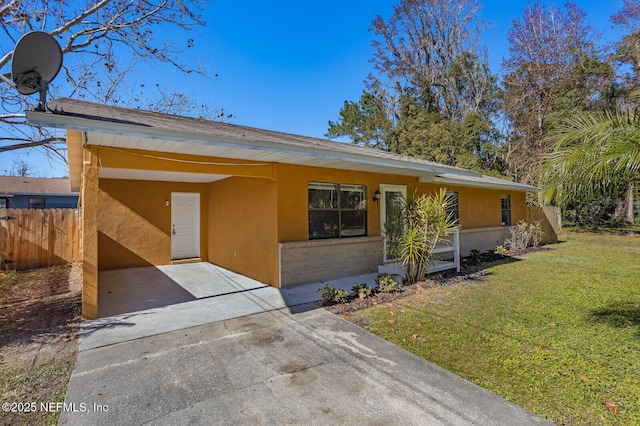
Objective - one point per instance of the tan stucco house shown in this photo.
(280, 208)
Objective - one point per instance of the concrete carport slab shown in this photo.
(309, 368)
(141, 302)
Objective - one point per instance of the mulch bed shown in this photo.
(471, 268)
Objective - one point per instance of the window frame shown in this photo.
(339, 209)
(38, 205)
(506, 210)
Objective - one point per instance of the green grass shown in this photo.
(557, 332)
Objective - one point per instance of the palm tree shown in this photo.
(594, 154)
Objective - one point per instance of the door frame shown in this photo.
(384, 188)
(196, 196)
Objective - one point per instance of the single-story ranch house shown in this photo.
(18, 192)
(280, 208)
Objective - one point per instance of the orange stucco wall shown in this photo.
(134, 222)
(479, 207)
(243, 227)
(293, 209)
(243, 217)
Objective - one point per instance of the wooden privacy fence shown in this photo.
(550, 219)
(35, 238)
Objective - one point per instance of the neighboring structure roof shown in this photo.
(112, 126)
(16, 185)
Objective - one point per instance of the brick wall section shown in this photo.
(303, 262)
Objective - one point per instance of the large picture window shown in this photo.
(337, 210)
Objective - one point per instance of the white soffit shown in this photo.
(156, 175)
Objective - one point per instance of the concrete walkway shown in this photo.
(142, 302)
(275, 367)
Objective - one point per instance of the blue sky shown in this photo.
(290, 65)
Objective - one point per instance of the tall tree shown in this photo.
(432, 82)
(102, 42)
(627, 52)
(424, 133)
(432, 44)
(365, 122)
(553, 70)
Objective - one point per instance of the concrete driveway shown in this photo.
(274, 367)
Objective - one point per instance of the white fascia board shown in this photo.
(43, 119)
(486, 184)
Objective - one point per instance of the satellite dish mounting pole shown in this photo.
(42, 104)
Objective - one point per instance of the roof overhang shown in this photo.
(480, 182)
(127, 135)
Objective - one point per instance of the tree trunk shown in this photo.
(629, 216)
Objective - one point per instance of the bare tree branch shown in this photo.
(31, 144)
(102, 41)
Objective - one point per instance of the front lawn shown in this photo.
(556, 332)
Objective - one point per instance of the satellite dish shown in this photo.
(36, 61)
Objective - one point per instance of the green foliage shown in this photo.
(363, 289)
(594, 155)
(556, 333)
(332, 295)
(421, 222)
(501, 250)
(365, 123)
(387, 284)
(473, 143)
(592, 212)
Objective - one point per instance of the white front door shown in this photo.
(390, 195)
(185, 225)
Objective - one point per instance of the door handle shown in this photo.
(173, 230)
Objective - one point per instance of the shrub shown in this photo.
(332, 295)
(415, 227)
(474, 254)
(522, 234)
(362, 290)
(387, 284)
(536, 233)
(501, 250)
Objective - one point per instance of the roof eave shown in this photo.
(492, 185)
(70, 122)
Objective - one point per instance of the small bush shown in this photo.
(501, 250)
(474, 254)
(362, 289)
(520, 236)
(332, 295)
(536, 233)
(524, 233)
(386, 284)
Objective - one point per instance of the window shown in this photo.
(505, 204)
(36, 202)
(4, 203)
(337, 211)
(452, 209)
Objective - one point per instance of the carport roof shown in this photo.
(112, 126)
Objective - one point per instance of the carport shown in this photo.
(148, 301)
